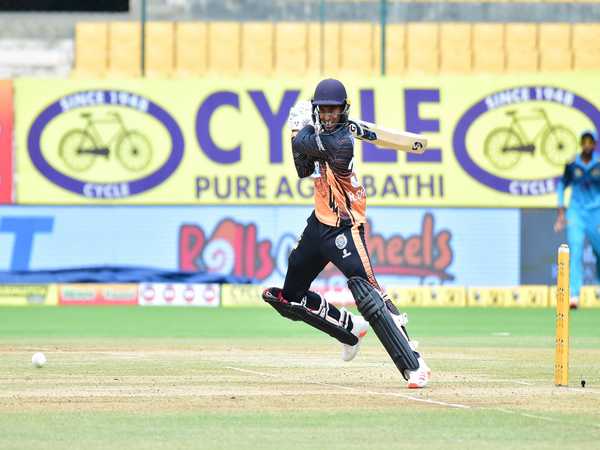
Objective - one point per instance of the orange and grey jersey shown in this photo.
(339, 196)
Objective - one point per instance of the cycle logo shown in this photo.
(510, 135)
(73, 141)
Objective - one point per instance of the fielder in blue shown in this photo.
(582, 217)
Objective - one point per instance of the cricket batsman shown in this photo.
(323, 148)
(582, 217)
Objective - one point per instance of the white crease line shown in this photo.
(524, 383)
(583, 390)
(349, 388)
(532, 416)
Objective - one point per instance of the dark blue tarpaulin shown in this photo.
(110, 274)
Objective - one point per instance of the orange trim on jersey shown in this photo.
(364, 256)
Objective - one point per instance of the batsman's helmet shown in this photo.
(331, 92)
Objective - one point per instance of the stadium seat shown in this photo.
(554, 36)
(526, 60)
(91, 49)
(395, 49)
(124, 49)
(159, 49)
(313, 50)
(586, 37)
(191, 49)
(257, 48)
(556, 60)
(586, 46)
(291, 48)
(427, 62)
(488, 36)
(491, 61)
(357, 48)
(588, 59)
(224, 48)
(422, 42)
(488, 48)
(331, 52)
(421, 37)
(455, 47)
(521, 36)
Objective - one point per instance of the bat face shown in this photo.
(383, 137)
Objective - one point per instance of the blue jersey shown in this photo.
(584, 180)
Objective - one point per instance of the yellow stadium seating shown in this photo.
(455, 47)
(427, 62)
(490, 61)
(313, 42)
(521, 36)
(488, 36)
(357, 48)
(586, 37)
(556, 60)
(526, 60)
(422, 37)
(294, 48)
(488, 47)
(588, 59)
(124, 49)
(331, 51)
(291, 48)
(191, 49)
(556, 36)
(224, 44)
(91, 49)
(257, 48)
(159, 49)
(395, 49)
(422, 42)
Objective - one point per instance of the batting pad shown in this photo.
(372, 307)
(297, 311)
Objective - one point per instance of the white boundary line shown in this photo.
(358, 390)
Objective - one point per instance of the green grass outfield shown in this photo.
(168, 378)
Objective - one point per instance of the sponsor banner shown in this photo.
(98, 294)
(590, 297)
(179, 294)
(407, 246)
(539, 249)
(500, 140)
(242, 295)
(6, 141)
(27, 294)
(428, 296)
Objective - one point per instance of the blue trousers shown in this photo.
(581, 224)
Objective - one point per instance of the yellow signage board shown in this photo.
(498, 141)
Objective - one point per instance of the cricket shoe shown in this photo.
(359, 328)
(418, 379)
(574, 302)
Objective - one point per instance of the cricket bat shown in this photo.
(384, 137)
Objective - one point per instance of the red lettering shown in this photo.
(394, 251)
(191, 242)
(412, 251)
(445, 252)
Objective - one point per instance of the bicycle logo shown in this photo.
(80, 147)
(504, 146)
